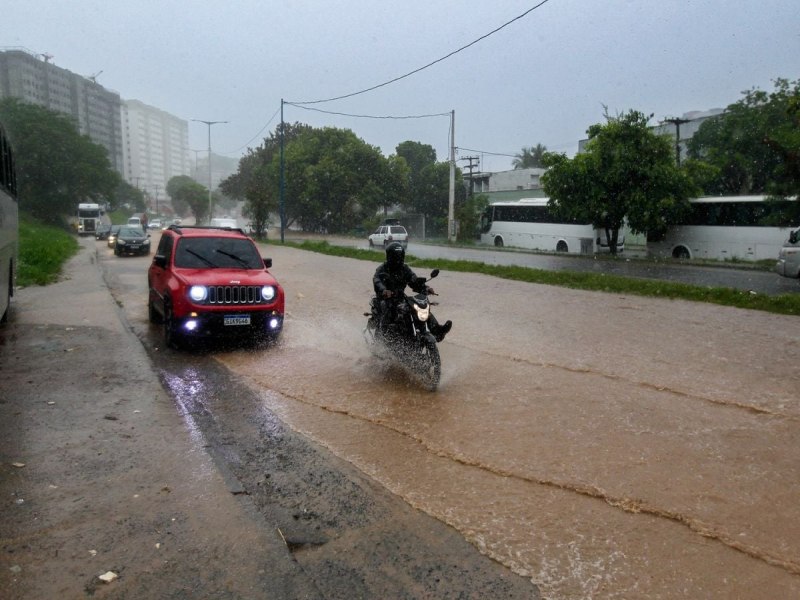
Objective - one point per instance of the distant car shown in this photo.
(788, 264)
(206, 282)
(155, 224)
(132, 240)
(224, 222)
(386, 234)
(102, 231)
(111, 239)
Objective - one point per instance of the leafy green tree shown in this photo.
(127, 196)
(530, 157)
(186, 194)
(627, 171)
(468, 214)
(57, 167)
(754, 146)
(257, 181)
(429, 184)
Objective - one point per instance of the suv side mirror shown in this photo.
(268, 263)
(160, 260)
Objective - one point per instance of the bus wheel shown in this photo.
(561, 246)
(498, 242)
(680, 253)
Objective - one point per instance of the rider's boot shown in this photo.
(442, 330)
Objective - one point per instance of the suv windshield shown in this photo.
(201, 253)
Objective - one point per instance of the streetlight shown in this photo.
(209, 123)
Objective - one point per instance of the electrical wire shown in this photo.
(247, 143)
(430, 64)
(330, 112)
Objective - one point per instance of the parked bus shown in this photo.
(746, 228)
(88, 217)
(528, 223)
(9, 224)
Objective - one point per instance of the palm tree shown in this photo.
(529, 157)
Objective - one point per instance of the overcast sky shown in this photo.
(544, 78)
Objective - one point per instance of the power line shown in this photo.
(486, 152)
(272, 118)
(430, 64)
(330, 112)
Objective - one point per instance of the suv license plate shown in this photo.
(237, 320)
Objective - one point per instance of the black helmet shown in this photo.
(395, 255)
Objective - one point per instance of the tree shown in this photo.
(428, 184)
(627, 172)
(530, 157)
(57, 167)
(187, 194)
(754, 146)
(257, 180)
(128, 196)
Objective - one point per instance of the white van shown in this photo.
(788, 263)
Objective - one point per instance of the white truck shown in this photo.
(89, 214)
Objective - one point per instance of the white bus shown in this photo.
(747, 228)
(88, 217)
(9, 225)
(528, 223)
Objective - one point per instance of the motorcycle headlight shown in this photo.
(267, 292)
(198, 293)
(422, 313)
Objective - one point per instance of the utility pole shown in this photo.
(283, 182)
(473, 163)
(451, 220)
(677, 122)
(210, 202)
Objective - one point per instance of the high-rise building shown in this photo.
(96, 110)
(156, 148)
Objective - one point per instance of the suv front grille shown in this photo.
(235, 294)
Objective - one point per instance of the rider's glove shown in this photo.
(430, 291)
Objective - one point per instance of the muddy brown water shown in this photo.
(601, 445)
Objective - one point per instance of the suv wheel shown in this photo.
(171, 336)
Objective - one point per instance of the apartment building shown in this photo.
(156, 148)
(95, 109)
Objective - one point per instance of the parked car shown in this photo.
(788, 263)
(102, 231)
(207, 281)
(112, 235)
(132, 240)
(386, 234)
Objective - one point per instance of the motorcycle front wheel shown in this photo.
(429, 365)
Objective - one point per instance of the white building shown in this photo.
(507, 185)
(155, 149)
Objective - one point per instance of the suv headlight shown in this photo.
(268, 292)
(198, 293)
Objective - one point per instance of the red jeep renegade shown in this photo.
(211, 281)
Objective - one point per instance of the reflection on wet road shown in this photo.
(602, 445)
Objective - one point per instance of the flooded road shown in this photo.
(601, 445)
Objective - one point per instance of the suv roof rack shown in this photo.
(178, 228)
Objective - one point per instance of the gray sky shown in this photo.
(543, 79)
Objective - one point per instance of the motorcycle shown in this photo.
(407, 337)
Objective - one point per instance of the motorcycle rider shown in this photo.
(390, 281)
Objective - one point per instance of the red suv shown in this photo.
(208, 281)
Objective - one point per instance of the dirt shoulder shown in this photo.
(99, 473)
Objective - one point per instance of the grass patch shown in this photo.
(786, 304)
(43, 250)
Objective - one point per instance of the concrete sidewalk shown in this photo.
(99, 473)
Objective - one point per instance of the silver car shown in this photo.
(788, 263)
